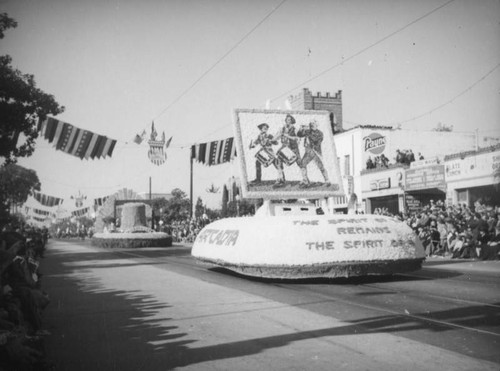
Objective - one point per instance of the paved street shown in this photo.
(156, 309)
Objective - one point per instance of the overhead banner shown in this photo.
(80, 212)
(215, 152)
(100, 201)
(75, 141)
(46, 200)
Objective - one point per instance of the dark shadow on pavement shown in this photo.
(94, 328)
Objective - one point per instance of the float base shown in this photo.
(324, 270)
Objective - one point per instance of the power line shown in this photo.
(449, 101)
(308, 80)
(364, 49)
(221, 59)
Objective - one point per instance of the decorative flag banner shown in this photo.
(139, 138)
(80, 212)
(47, 200)
(157, 148)
(100, 201)
(75, 141)
(41, 212)
(214, 153)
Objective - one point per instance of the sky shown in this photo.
(119, 65)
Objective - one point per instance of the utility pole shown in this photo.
(152, 208)
(191, 186)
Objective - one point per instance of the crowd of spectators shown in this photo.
(22, 299)
(185, 230)
(377, 162)
(458, 231)
(73, 231)
(405, 156)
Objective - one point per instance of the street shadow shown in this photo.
(98, 328)
(428, 263)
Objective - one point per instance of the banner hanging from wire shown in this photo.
(75, 141)
(214, 153)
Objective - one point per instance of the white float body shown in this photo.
(307, 246)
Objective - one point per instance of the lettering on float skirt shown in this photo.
(218, 237)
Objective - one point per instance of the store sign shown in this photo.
(413, 205)
(377, 184)
(425, 178)
(481, 165)
(375, 143)
(424, 162)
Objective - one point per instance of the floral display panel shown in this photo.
(286, 154)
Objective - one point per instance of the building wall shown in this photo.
(362, 142)
(471, 171)
(305, 100)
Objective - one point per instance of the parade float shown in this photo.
(292, 155)
(133, 232)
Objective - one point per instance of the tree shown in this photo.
(244, 208)
(225, 199)
(22, 105)
(16, 184)
(199, 208)
(178, 207)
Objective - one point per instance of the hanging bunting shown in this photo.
(75, 141)
(41, 212)
(157, 147)
(214, 153)
(80, 212)
(139, 138)
(100, 201)
(46, 200)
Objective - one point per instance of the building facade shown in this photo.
(305, 100)
(473, 176)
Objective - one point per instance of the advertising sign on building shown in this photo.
(425, 178)
(374, 143)
(377, 184)
(480, 165)
(413, 205)
(425, 162)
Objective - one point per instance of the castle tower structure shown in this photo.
(305, 100)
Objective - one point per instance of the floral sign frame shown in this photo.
(286, 154)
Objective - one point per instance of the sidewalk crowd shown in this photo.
(22, 299)
(185, 230)
(457, 231)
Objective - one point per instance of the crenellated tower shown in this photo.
(305, 100)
